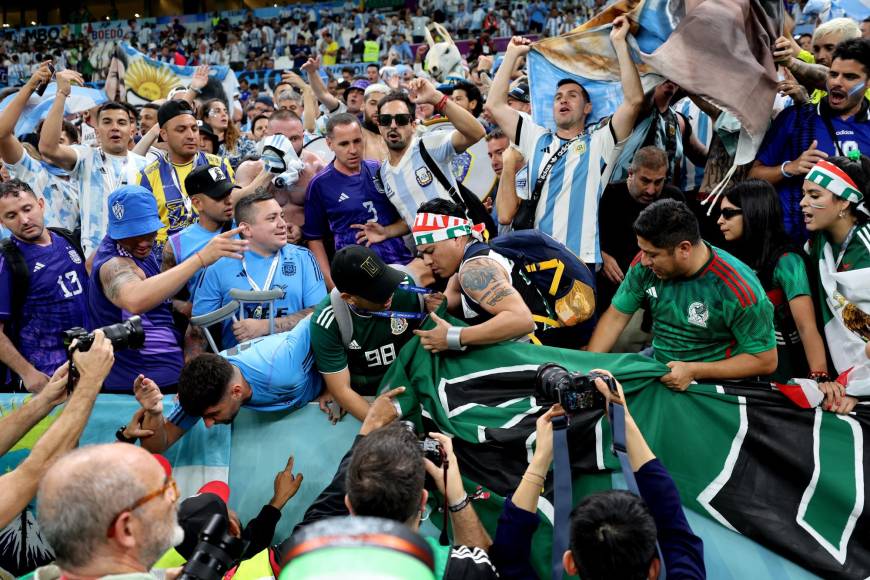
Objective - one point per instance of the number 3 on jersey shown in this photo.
(381, 356)
(370, 205)
(74, 289)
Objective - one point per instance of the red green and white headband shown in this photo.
(835, 180)
(430, 228)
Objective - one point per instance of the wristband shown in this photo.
(197, 91)
(440, 106)
(820, 377)
(537, 484)
(783, 171)
(201, 261)
(454, 338)
(119, 435)
(460, 505)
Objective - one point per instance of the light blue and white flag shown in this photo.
(80, 99)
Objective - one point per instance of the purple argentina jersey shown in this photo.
(56, 300)
(160, 359)
(335, 201)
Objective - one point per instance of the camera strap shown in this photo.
(563, 484)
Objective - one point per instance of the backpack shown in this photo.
(21, 285)
(558, 288)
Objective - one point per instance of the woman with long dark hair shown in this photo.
(751, 222)
(231, 143)
(835, 213)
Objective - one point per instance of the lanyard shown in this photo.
(415, 289)
(268, 283)
(844, 246)
(110, 180)
(185, 199)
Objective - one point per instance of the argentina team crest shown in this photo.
(424, 176)
(698, 314)
(74, 256)
(288, 267)
(398, 325)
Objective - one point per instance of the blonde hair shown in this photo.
(845, 27)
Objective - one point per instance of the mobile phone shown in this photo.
(44, 85)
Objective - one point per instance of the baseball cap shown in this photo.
(358, 85)
(206, 131)
(265, 100)
(520, 93)
(132, 212)
(359, 271)
(195, 512)
(171, 109)
(209, 180)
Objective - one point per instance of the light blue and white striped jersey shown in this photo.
(411, 183)
(702, 129)
(97, 174)
(568, 207)
(60, 194)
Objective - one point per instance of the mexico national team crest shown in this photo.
(698, 314)
(398, 325)
(74, 256)
(424, 176)
(118, 210)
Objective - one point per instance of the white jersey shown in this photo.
(97, 174)
(568, 207)
(702, 129)
(411, 183)
(60, 194)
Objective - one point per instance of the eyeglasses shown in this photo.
(730, 212)
(168, 484)
(401, 119)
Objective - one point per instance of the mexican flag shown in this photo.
(791, 479)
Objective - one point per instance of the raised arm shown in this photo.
(623, 119)
(126, 286)
(62, 156)
(506, 199)
(309, 101)
(151, 401)
(18, 487)
(312, 67)
(17, 423)
(147, 140)
(10, 148)
(496, 100)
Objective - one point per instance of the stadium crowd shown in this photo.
(281, 248)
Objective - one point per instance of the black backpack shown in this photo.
(21, 287)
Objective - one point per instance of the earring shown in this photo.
(841, 215)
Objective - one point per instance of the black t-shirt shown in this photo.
(469, 563)
(617, 212)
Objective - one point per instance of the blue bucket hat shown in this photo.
(132, 212)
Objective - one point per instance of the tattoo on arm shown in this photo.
(169, 260)
(486, 282)
(286, 323)
(498, 293)
(115, 274)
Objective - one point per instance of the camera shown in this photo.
(216, 552)
(124, 335)
(433, 451)
(574, 391)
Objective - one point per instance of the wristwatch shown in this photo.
(119, 435)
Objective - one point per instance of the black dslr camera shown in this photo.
(123, 335)
(216, 552)
(574, 391)
(127, 334)
(433, 451)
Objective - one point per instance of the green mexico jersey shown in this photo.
(719, 312)
(789, 281)
(375, 343)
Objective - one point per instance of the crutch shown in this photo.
(244, 297)
(203, 321)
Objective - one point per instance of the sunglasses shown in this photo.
(730, 212)
(401, 119)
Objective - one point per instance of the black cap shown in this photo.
(206, 131)
(193, 515)
(171, 109)
(209, 180)
(359, 271)
(520, 93)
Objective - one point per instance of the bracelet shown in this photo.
(440, 106)
(460, 505)
(63, 93)
(820, 377)
(783, 171)
(119, 435)
(533, 474)
(201, 261)
(197, 91)
(535, 483)
(454, 338)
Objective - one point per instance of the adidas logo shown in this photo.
(354, 345)
(39, 266)
(343, 197)
(651, 291)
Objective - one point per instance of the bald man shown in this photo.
(107, 510)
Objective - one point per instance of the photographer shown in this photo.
(614, 533)
(383, 475)
(18, 487)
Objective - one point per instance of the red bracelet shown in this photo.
(440, 106)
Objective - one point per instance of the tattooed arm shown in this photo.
(184, 307)
(486, 282)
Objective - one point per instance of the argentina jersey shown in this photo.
(568, 206)
(61, 198)
(188, 241)
(411, 183)
(702, 129)
(97, 174)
